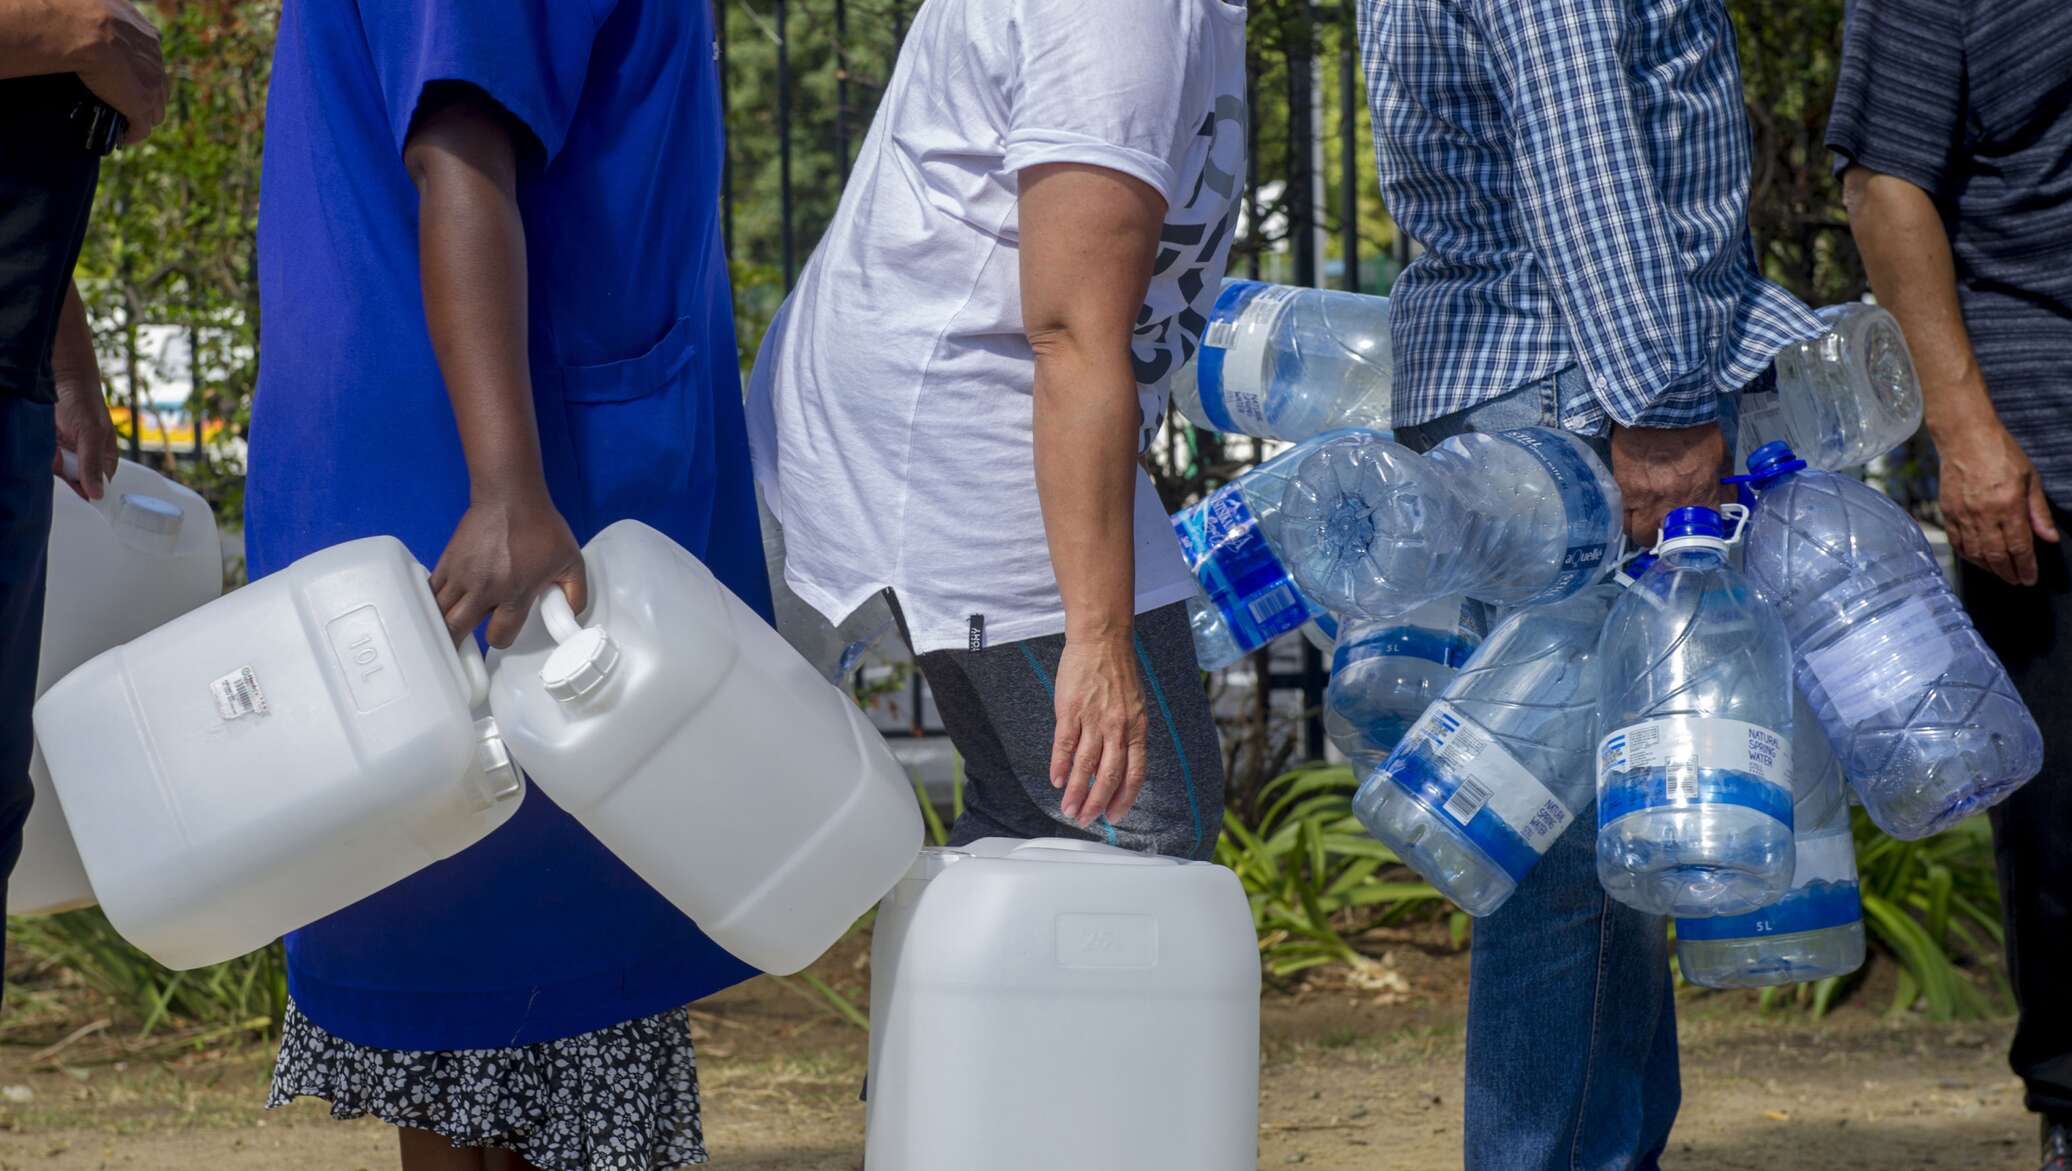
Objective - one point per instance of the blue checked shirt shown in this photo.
(1577, 171)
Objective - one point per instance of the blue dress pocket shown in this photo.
(641, 432)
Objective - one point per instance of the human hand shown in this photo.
(85, 430)
(81, 415)
(1097, 755)
(1660, 469)
(115, 51)
(506, 549)
(1992, 500)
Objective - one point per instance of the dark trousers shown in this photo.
(2030, 628)
(26, 446)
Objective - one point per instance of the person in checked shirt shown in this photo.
(1577, 172)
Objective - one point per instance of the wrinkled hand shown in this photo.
(1992, 500)
(1097, 756)
(1660, 469)
(505, 551)
(117, 55)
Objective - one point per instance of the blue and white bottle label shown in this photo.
(1592, 534)
(1823, 894)
(1693, 760)
(1231, 371)
(1237, 569)
(1453, 766)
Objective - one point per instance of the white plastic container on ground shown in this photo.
(1063, 1004)
(684, 733)
(276, 755)
(145, 553)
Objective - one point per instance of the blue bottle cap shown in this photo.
(1693, 521)
(1770, 463)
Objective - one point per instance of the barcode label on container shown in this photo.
(1273, 602)
(1467, 801)
(237, 695)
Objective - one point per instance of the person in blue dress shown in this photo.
(495, 319)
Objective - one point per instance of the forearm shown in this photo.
(72, 363)
(1906, 253)
(1086, 423)
(37, 37)
(471, 253)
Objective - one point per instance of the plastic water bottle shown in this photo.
(1816, 929)
(1500, 764)
(143, 554)
(1921, 713)
(1231, 540)
(1843, 398)
(1385, 674)
(275, 755)
(1694, 793)
(1370, 529)
(684, 733)
(1289, 363)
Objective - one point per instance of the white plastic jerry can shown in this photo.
(146, 552)
(276, 755)
(683, 732)
(1063, 1004)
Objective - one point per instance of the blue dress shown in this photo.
(537, 933)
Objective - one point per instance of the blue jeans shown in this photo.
(27, 443)
(1571, 1025)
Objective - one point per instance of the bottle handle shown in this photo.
(559, 615)
(477, 671)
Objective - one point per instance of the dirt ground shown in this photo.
(1351, 1079)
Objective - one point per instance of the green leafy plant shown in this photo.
(1314, 876)
(247, 994)
(1933, 906)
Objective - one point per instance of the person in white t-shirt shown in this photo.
(953, 403)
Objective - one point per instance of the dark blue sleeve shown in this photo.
(1900, 94)
(530, 56)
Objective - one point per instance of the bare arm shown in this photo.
(1088, 238)
(108, 43)
(1992, 498)
(84, 428)
(511, 543)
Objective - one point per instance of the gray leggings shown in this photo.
(997, 705)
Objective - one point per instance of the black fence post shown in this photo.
(726, 129)
(1349, 93)
(842, 88)
(784, 143)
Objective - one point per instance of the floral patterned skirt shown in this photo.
(624, 1098)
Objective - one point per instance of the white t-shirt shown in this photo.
(890, 410)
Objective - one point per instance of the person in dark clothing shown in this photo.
(1952, 127)
(68, 69)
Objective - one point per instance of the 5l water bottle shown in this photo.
(1816, 929)
(1843, 398)
(1920, 712)
(1289, 363)
(1385, 674)
(1231, 540)
(1368, 528)
(278, 754)
(143, 554)
(1694, 767)
(1499, 765)
(701, 749)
